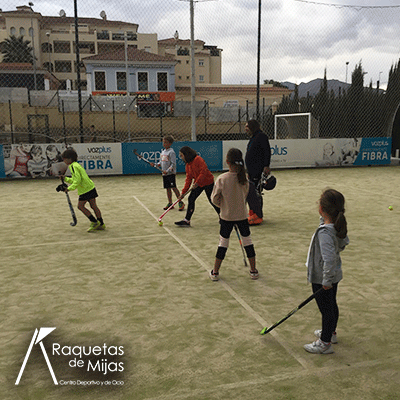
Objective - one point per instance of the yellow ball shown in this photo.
(390, 208)
(160, 223)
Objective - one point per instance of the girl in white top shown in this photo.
(229, 194)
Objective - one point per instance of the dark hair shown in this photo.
(189, 154)
(235, 157)
(36, 150)
(169, 139)
(253, 125)
(332, 204)
(70, 154)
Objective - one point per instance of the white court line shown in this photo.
(253, 313)
(19, 246)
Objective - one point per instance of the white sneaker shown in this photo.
(318, 333)
(319, 347)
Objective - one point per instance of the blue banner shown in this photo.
(2, 171)
(211, 152)
(374, 151)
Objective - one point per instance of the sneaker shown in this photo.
(181, 206)
(318, 332)
(214, 276)
(101, 227)
(254, 274)
(319, 347)
(93, 226)
(254, 220)
(183, 223)
(168, 206)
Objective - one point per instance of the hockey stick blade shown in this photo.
(267, 330)
(173, 205)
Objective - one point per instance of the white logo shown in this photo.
(38, 336)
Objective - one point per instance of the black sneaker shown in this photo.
(183, 223)
(254, 274)
(168, 206)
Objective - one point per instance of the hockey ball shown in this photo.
(390, 208)
(160, 223)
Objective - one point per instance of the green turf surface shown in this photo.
(146, 288)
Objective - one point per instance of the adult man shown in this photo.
(258, 158)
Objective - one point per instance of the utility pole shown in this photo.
(258, 62)
(193, 77)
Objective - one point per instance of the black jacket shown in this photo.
(258, 155)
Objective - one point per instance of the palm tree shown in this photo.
(16, 50)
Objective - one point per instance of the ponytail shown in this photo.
(234, 156)
(332, 203)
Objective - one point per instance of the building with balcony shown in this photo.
(207, 60)
(53, 39)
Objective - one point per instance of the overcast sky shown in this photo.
(299, 39)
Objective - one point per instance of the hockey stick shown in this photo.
(74, 220)
(145, 160)
(267, 330)
(172, 206)
(241, 244)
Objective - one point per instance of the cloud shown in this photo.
(298, 40)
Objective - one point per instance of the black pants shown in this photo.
(254, 197)
(195, 193)
(329, 309)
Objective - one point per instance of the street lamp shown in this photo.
(33, 48)
(347, 64)
(48, 50)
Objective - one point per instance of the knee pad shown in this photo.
(223, 242)
(246, 240)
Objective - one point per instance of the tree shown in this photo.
(16, 50)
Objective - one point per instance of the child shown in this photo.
(197, 170)
(324, 266)
(230, 193)
(86, 189)
(168, 167)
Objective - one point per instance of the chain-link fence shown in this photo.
(98, 77)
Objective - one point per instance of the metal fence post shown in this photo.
(11, 123)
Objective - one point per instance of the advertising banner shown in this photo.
(2, 172)
(211, 152)
(100, 158)
(323, 152)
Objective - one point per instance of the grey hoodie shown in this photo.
(323, 261)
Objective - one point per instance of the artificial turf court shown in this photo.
(146, 288)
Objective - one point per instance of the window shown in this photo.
(21, 31)
(103, 35)
(46, 47)
(121, 80)
(62, 47)
(131, 36)
(99, 80)
(183, 52)
(118, 36)
(162, 81)
(180, 77)
(201, 63)
(62, 66)
(30, 32)
(147, 49)
(143, 81)
(13, 31)
(201, 78)
(187, 61)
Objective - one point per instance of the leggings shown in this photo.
(195, 193)
(329, 309)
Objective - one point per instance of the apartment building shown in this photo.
(53, 39)
(207, 60)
